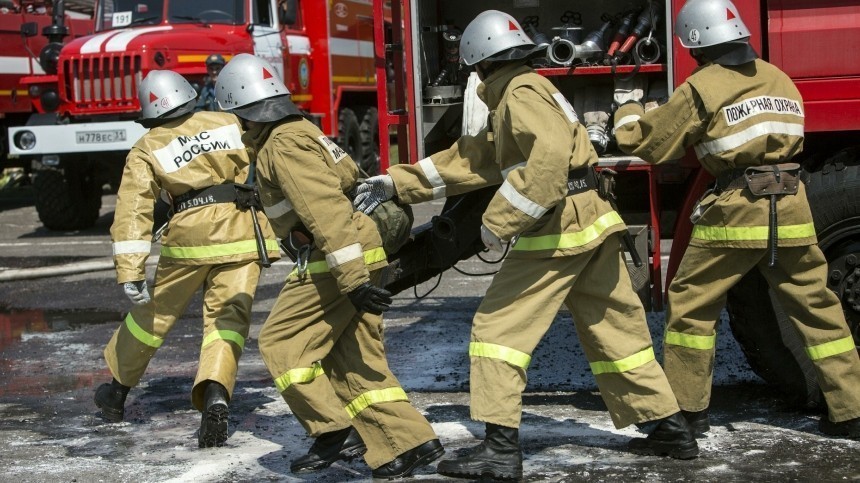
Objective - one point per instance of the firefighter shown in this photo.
(196, 159)
(567, 250)
(214, 64)
(323, 341)
(744, 118)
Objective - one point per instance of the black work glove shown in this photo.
(369, 298)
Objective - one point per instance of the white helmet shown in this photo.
(493, 32)
(249, 87)
(703, 23)
(165, 94)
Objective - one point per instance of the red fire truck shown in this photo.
(800, 37)
(21, 50)
(78, 142)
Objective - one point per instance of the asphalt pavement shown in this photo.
(59, 304)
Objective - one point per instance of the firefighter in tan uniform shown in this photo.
(744, 117)
(209, 242)
(323, 340)
(565, 249)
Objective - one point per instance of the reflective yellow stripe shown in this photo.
(494, 351)
(234, 248)
(376, 396)
(302, 374)
(828, 349)
(370, 257)
(745, 233)
(301, 97)
(569, 240)
(703, 342)
(230, 335)
(623, 365)
(143, 336)
(199, 57)
(353, 79)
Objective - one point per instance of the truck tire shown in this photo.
(834, 196)
(369, 131)
(67, 199)
(349, 133)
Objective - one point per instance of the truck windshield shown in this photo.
(115, 14)
(212, 11)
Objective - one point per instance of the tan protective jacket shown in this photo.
(192, 152)
(304, 179)
(747, 115)
(533, 141)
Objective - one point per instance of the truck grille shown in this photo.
(102, 83)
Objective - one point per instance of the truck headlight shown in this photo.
(25, 140)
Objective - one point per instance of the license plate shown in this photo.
(100, 137)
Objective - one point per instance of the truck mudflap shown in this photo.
(38, 139)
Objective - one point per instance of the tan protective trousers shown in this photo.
(698, 292)
(329, 363)
(228, 291)
(519, 308)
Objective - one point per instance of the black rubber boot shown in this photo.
(409, 461)
(213, 423)
(672, 437)
(844, 429)
(699, 421)
(110, 398)
(343, 444)
(499, 456)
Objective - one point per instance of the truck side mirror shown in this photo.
(29, 29)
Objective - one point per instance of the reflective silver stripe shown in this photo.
(627, 120)
(739, 139)
(344, 255)
(131, 246)
(280, 208)
(520, 202)
(433, 177)
(508, 170)
(565, 106)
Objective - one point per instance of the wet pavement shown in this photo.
(53, 330)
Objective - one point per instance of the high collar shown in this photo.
(493, 87)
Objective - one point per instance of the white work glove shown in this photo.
(372, 192)
(137, 292)
(490, 239)
(630, 90)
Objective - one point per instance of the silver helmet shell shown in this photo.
(245, 80)
(165, 94)
(490, 33)
(250, 88)
(703, 23)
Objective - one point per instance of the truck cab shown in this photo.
(86, 101)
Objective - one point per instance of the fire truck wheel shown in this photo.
(67, 199)
(369, 162)
(349, 134)
(834, 196)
